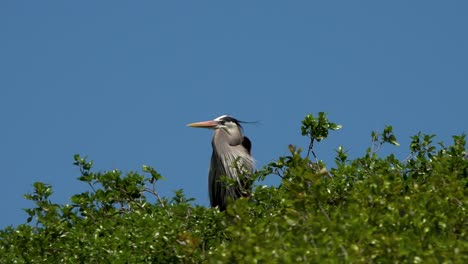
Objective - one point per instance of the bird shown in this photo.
(231, 157)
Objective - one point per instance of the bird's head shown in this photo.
(225, 122)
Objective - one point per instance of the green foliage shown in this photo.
(317, 127)
(369, 209)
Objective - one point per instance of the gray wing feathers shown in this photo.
(219, 194)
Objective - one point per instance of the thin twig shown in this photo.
(155, 193)
(324, 213)
(311, 146)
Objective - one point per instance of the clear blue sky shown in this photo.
(119, 80)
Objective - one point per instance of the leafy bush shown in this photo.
(369, 209)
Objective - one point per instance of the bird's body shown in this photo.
(230, 158)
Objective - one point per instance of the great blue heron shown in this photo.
(231, 157)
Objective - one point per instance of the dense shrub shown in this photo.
(369, 209)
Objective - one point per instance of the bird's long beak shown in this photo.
(204, 124)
